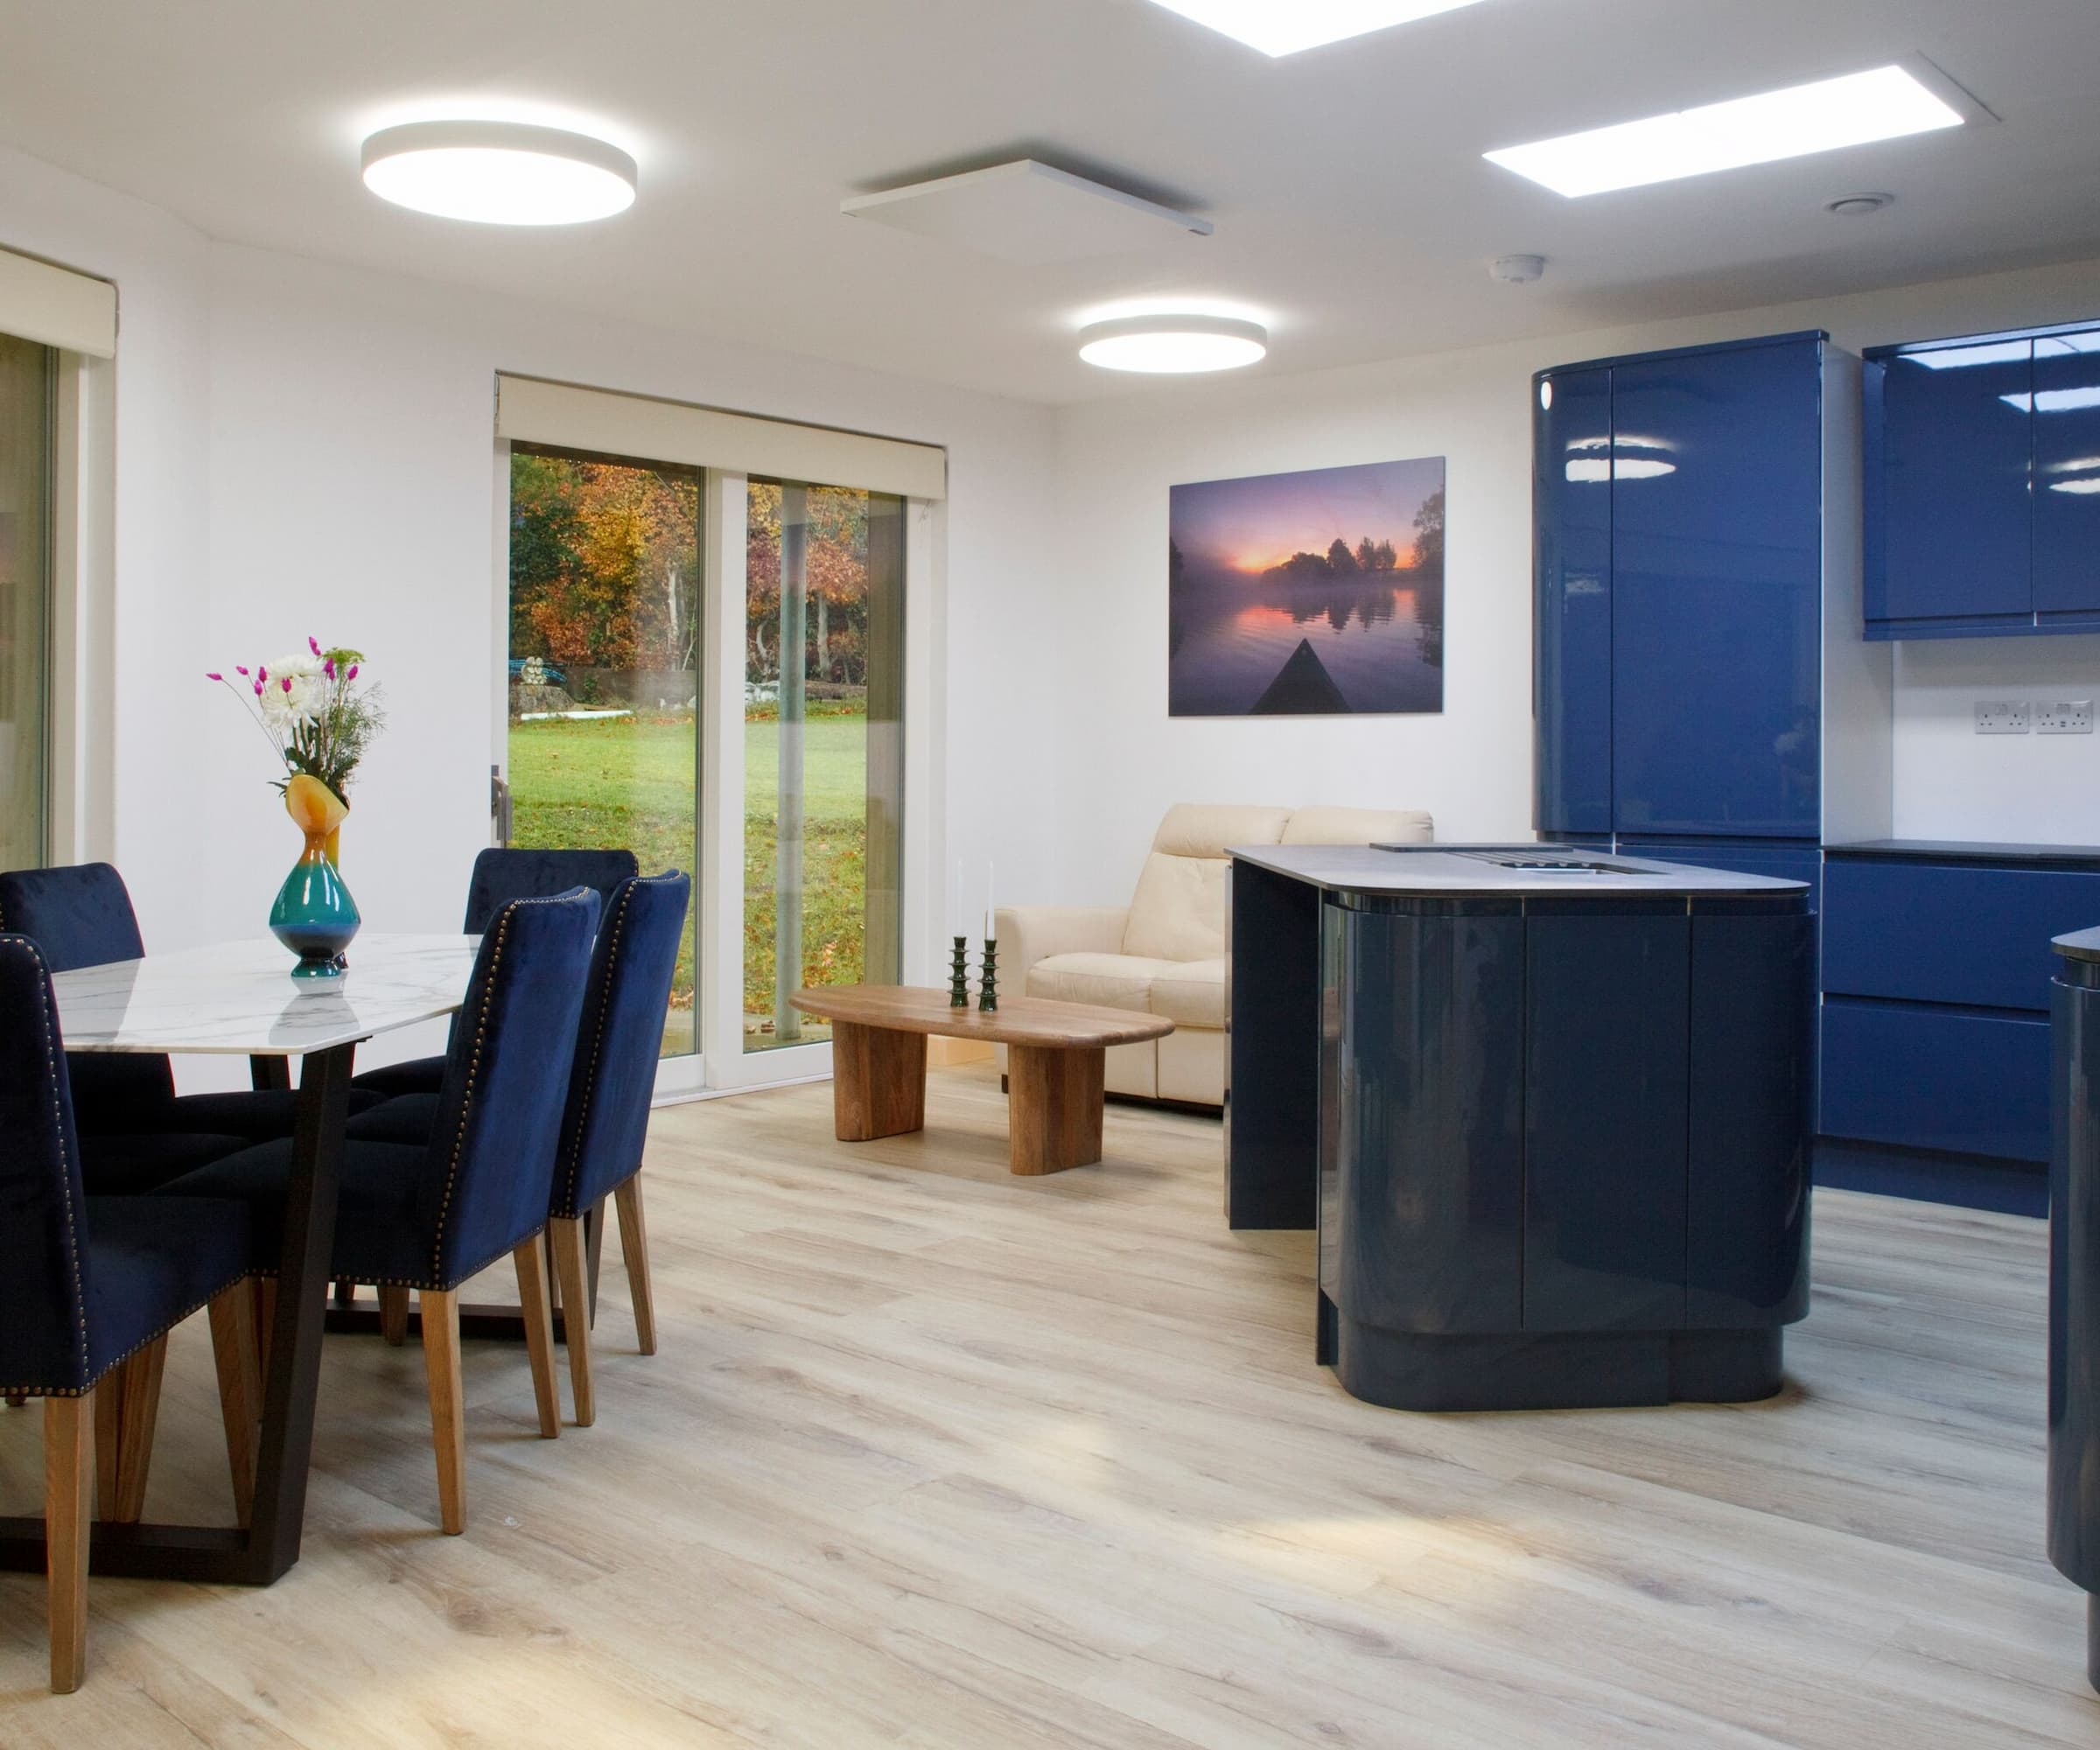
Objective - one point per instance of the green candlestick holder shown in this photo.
(958, 975)
(988, 987)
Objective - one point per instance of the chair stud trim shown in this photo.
(48, 1021)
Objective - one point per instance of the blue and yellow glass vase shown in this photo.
(314, 915)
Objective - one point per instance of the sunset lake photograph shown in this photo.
(1318, 593)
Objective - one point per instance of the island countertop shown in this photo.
(1509, 871)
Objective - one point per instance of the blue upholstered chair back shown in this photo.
(81, 915)
(622, 1031)
(505, 873)
(42, 1228)
(491, 1168)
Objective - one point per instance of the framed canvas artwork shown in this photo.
(1311, 594)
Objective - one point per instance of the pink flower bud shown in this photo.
(353, 674)
(262, 675)
(215, 677)
(258, 690)
(286, 684)
(328, 667)
(238, 670)
(314, 644)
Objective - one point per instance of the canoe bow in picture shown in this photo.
(1302, 687)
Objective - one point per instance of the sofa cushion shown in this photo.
(1178, 911)
(1210, 829)
(1191, 994)
(1359, 826)
(1108, 981)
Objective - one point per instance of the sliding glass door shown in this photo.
(28, 378)
(604, 725)
(823, 748)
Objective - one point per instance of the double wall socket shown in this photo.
(2050, 716)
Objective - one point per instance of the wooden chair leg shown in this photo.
(233, 1317)
(440, 1309)
(531, 1261)
(394, 1314)
(108, 1405)
(565, 1236)
(69, 1491)
(634, 1248)
(141, 1408)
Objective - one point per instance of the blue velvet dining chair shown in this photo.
(90, 1289)
(605, 1123)
(503, 873)
(427, 1215)
(136, 1131)
(607, 1119)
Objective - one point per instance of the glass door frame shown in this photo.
(721, 1064)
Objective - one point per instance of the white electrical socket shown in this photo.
(2064, 716)
(2001, 717)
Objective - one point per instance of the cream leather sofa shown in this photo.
(1164, 952)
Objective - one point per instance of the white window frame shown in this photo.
(610, 424)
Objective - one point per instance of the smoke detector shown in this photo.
(1516, 270)
(1858, 206)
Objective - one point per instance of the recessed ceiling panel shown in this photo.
(1028, 212)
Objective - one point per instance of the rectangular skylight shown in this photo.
(1282, 27)
(1884, 103)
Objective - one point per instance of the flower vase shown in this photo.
(314, 915)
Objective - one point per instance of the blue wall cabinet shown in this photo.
(2067, 477)
(1982, 485)
(1948, 531)
(1572, 490)
(1679, 552)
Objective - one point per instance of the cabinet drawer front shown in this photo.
(1932, 1079)
(1948, 933)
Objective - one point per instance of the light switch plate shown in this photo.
(2063, 716)
(2001, 717)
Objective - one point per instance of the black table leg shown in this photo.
(227, 1554)
(295, 1346)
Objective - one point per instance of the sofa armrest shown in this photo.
(1028, 934)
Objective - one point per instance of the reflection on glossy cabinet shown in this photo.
(1572, 462)
(2066, 476)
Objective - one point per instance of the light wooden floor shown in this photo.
(936, 1457)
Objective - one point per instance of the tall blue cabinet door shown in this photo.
(1606, 1116)
(1717, 576)
(1948, 525)
(2067, 474)
(1571, 509)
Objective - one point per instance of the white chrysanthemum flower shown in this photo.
(285, 707)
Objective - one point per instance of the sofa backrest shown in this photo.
(1178, 911)
(1359, 826)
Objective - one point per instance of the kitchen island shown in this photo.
(1548, 1109)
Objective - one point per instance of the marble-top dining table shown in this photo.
(240, 998)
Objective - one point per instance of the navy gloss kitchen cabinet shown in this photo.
(1982, 485)
(1948, 531)
(1572, 490)
(2067, 479)
(1678, 501)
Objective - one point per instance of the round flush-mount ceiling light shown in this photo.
(499, 172)
(1858, 206)
(1173, 344)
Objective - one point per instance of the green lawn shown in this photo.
(632, 780)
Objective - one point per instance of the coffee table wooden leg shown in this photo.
(1054, 1106)
(878, 1081)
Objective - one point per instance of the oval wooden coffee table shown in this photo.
(1056, 1053)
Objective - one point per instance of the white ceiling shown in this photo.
(1353, 212)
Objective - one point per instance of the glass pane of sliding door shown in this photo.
(605, 647)
(27, 378)
(823, 749)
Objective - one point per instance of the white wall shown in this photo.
(309, 448)
(1124, 760)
